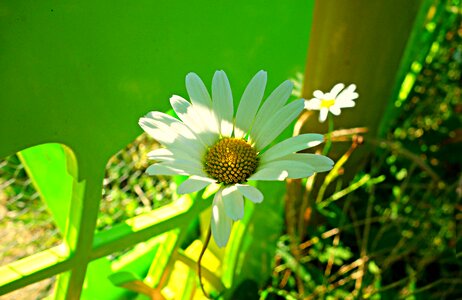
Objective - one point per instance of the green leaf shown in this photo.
(47, 167)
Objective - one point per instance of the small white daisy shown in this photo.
(332, 101)
(213, 146)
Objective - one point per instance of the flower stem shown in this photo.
(328, 135)
(199, 267)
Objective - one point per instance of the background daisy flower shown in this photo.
(332, 101)
(214, 146)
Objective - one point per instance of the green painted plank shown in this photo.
(119, 237)
(146, 226)
(162, 263)
(34, 268)
(79, 234)
(99, 277)
(46, 166)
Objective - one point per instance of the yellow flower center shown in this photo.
(231, 161)
(326, 103)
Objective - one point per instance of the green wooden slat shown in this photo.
(34, 268)
(145, 226)
(119, 237)
(82, 218)
(46, 167)
(98, 283)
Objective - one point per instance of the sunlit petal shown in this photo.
(335, 110)
(273, 103)
(193, 119)
(277, 123)
(276, 170)
(323, 114)
(250, 192)
(197, 91)
(221, 224)
(177, 167)
(335, 90)
(339, 97)
(292, 145)
(318, 94)
(233, 202)
(223, 102)
(194, 184)
(313, 104)
(249, 104)
(319, 163)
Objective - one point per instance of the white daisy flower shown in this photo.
(332, 101)
(213, 146)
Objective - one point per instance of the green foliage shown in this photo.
(127, 186)
(390, 233)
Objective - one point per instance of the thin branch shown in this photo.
(199, 267)
(398, 148)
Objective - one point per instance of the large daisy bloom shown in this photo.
(214, 146)
(333, 101)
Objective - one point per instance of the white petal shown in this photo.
(193, 184)
(160, 169)
(221, 223)
(273, 103)
(211, 190)
(170, 138)
(351, 87)
(320, 163)
(250, 192)
(346, 104)
(292, 145)
(185, 112)
(193, 119)
(171, 132)
(270, 175)
(176, 167)
(233, 202)
(208, 118)
(249, 104)
(313, 104)
(335, 110)
(335, 90)
(223, 102)
(201, 102)
(349, 92)
(347, 95)
(318, 94)
(161, 154)
(281, 169)
(197, 91)
(277, 123)
(323, 114)
(164, 154)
